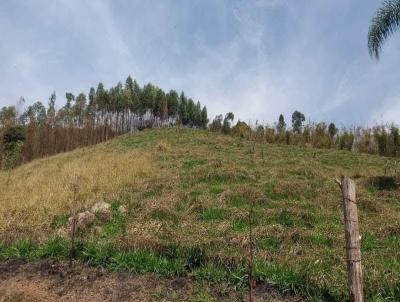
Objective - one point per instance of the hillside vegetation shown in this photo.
(189, 194)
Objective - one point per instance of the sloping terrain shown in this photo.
(192, 196)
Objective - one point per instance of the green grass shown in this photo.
(191, 163)
(269, 244)
(190, 216)
(60, 220)
(210, 214)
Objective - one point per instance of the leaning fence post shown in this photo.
(353, 253)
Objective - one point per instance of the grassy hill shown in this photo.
(189, 194)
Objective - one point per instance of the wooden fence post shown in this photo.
(353, 253)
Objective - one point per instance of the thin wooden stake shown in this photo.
(75, 191)
(72, 250)
(353, 253)
(251, 252)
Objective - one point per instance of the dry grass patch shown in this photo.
(41, 190)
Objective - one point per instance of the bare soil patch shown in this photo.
(54, 281)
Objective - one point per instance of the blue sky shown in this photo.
(257, 58)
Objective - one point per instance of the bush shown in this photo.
(241, 130)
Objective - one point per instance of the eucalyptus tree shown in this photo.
(91, 107)
(173, 104)
(137, 91)
(216, 124)
(197, 121)
(297, 121)
(79, 109)
(101, 100)
(385, 23)
(117, 103)
(129, 99)
(183, 109)
(332, 130)
(226, 125)
(146, 101)
(100, 115)
(204, 118)
(156, 103)
(281, 126)
(191, 112)
(8, 116)
(35, 113)
(51, 110)
(163, 106)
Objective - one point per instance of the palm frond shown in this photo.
(383, 25)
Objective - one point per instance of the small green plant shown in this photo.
(21, 250)
(240, 225)
(164, 215)
(237, 200)
(321, 240)
(269, 244)
(369, 242)
(54, 248)
(114, 227)
(210, 214)
(152, 192)
(285, 218)
(191, 163)
(195, 258)
(216, 189)
(59, 221)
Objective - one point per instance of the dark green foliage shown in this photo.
(116, 226)
(134, 261)
(369, 242)
(221, 124)
(173, 103)
(332, 130)
(210, 214)
(55, 248)
(191, 163)
(216, 124)
(36, 113)
(385, 23)
(297, 121)
(195, 258)
(164, 215)
(226, 126)
(21, 250)
(384, 182)
(281, 126)
(204, 118)
(13, 135)
(269, 244)
(346, 141)
(381, 139)
(183, 109)
(59, 221)
(13, 141)
(286, 219)
(321, 240)
(8, 116)
(51, 110)
(96, 117)
(395, 136)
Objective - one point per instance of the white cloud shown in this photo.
(256, 58)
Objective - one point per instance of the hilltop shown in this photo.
(189, 193)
